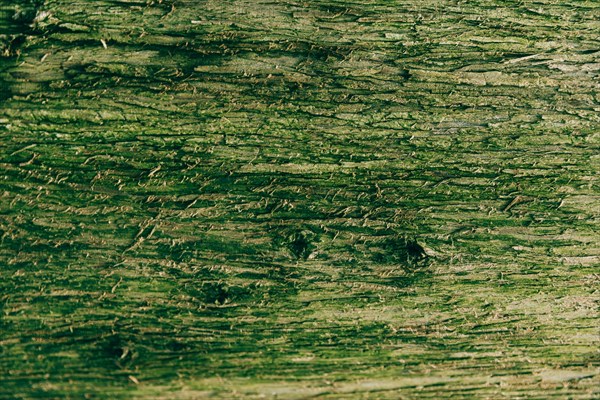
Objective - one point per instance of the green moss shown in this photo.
(285, 200)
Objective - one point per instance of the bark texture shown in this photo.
(286, 199)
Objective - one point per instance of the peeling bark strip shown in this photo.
(253, 199)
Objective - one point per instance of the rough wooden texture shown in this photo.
(282, 199)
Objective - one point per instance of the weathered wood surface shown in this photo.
(249, 199)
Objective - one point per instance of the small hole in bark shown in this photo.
(405, 251)
(215, 293)
(405, 74)
(300, 244)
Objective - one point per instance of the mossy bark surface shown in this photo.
(282, 199)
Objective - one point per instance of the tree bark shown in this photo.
(280, 199)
